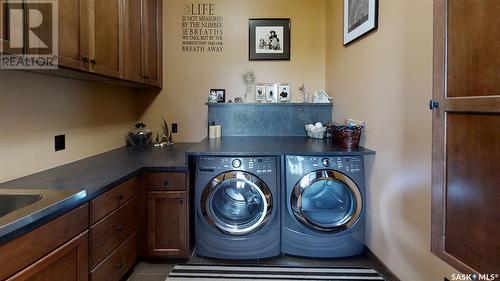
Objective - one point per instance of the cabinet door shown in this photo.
(134, 47)
(73, 34)
(68, 263)
(466, 133)
(153, 40)
(167, 224)
(106, 37)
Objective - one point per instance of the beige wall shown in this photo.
(188, 77)
(34, 108)
(386, 80)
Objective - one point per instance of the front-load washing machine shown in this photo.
(323, 212)
(236, 201)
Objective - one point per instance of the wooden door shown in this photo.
(73, 34)
(67, 263)
(466, 135)
(167, 224)
(133, 41)
(106, 37)
(153, 41)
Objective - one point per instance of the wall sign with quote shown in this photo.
(202, 29)
(360, 17)
(269, 39)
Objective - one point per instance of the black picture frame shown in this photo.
(282, 34)
(353, 31)
(221, 94)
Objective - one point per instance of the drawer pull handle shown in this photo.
(119, 266)
(119, 197)
(119, 227)
(181, 201)
(165, 182)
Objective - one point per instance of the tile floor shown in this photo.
(149, 271)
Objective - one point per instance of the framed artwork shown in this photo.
(269, 39)
(360, 17)
(260, 92)
(271, 92)
(217, 96)
(284, 94)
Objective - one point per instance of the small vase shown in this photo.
(249, 93)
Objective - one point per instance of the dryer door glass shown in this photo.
(326, 201)
(239, 204)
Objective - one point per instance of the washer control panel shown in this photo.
(255, 165)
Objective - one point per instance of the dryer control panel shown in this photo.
(255, 165)
(347, 164)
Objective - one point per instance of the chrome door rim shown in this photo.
(213, 186)
(308, 180)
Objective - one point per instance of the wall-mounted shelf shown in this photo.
(270, 104)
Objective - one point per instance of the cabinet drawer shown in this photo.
(111, 200)
(110, 232)
(175, 181)
(69, 262)
(27, 249)
(118, 263)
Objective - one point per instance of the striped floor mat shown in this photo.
(214, 272)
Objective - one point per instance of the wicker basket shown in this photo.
(346, 137)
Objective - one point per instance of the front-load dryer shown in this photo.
(323, 212)
(236, 201)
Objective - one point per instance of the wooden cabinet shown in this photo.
(118, 263)
(32, 246)
(466, 130)
(167, 224)
(106, 40)
(112, 200)
(111, 231)
(171, 181)
(113, 242)
(67, 263)
(114, 38)
(73, 34)
(143, 41)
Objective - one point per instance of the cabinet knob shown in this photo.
(119, 197)
(85, 59)
(93, 61)
(433, 104)
(165, 182)
(181, 201)
(119, 266)
(119, 227)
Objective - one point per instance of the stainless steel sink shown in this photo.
(19, 207)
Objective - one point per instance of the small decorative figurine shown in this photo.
(249, 82)
(321, 97)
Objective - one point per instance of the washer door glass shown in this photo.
(326, 201)
(238, 204)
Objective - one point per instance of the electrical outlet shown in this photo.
(59, 142)
(174, 128)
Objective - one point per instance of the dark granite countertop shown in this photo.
(254, 146)
(98, 174)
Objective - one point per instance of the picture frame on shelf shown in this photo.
(271, 92)
(360, 18)
(260, 92)
(269, 39)
(284, 93)
(217, 96)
